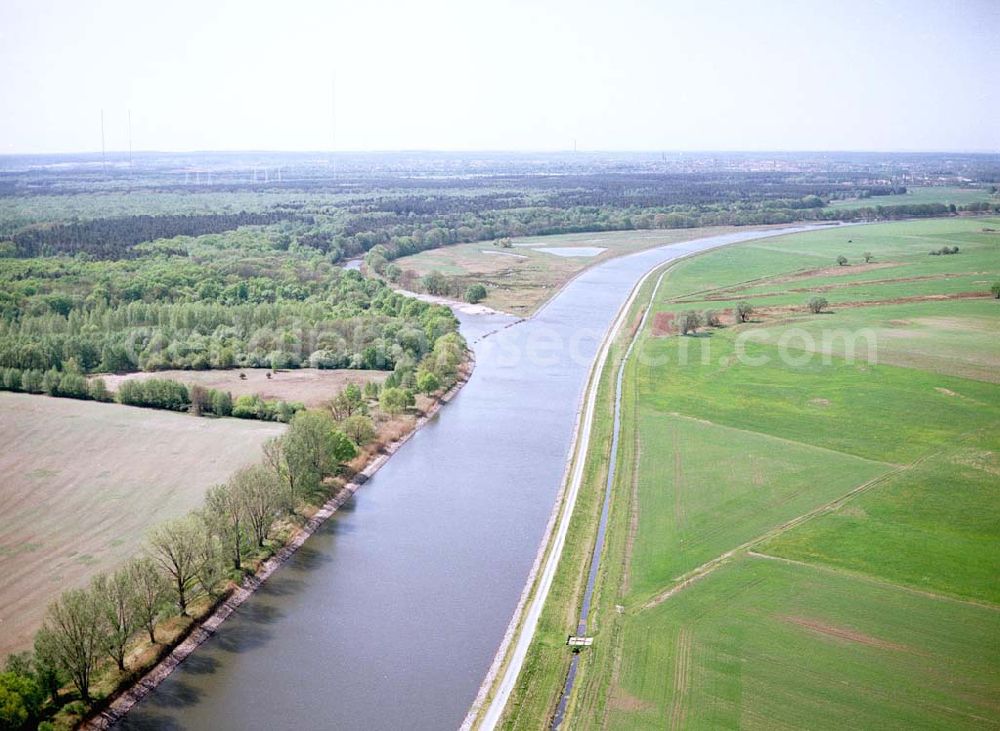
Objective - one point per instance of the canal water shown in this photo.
(389, 616)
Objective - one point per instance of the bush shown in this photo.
(328, 359)
(743, 311)
(222, 403)
(394, 399)
(359, 428)
(98, 390)
(817, 305)
(842, 260)
(249, 406)
(50, 382)
(688, 322)
(73, 385)
(283, 411)
(475, 293)
(157, 393)
(11, 379)
(20, 700)
(32, 381)
(427, 382)
(435, 283)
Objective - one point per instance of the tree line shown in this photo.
(114, 238)
(360, 324)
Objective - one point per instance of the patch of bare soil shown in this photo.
(819, 401)
(622, 701)
(663, 324)
(310, 386)
(984, 460)
(839, 271)
(844, 633)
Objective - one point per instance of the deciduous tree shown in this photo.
(116, 597)
(73, 637)
(151, 592)
(173, 546)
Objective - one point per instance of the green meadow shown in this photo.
(920, 194)
(761, 644)
(805, 531)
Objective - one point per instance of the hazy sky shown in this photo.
(500, 74)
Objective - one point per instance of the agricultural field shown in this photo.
(309, 386)
(521, 278)
(84, 481)
(921, 194)
(802, 533)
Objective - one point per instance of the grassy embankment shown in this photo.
(877, 606)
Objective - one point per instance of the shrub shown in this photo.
(249, 406)
(712, 319)
(98, 390)
(73, 385)
(743, 311)
(20, 700)
(360, 429)
(50, 382)
(688, 322)
(435, 283)
(427, 382)
(157, 393)
(32, 381)
(11, 379)
(817, 305)
(475, 293)
(394, 399)
(222, 403)
(842, 260)
(283, 411)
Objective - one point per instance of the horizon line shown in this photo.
(514, 151)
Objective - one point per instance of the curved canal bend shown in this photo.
(391, 613)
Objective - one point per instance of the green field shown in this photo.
(762, 644)
(799, 536)
(922, 194)
(757, 481)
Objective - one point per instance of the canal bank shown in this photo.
(391, 614)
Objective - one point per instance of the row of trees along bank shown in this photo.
(101, 638)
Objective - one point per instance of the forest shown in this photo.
(214, 301)
(124, 268)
